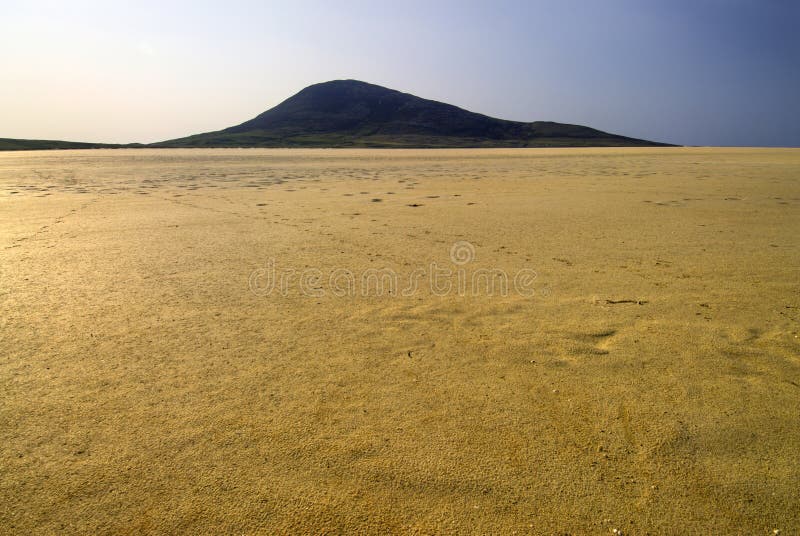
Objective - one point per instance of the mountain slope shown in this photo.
(350, 113)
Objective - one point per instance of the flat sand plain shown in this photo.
(649, 383)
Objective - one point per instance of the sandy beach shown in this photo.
(494, 341)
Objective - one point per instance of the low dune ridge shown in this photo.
(252, 341)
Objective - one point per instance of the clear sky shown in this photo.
(701, 72)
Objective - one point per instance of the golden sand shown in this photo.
(649, 383)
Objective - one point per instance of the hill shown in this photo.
(350, 113)
(10, 144)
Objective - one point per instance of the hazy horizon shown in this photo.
(704, 73)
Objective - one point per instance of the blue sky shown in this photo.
(704, 72)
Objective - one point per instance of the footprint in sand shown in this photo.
(592, 343)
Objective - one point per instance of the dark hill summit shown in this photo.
(350, 113)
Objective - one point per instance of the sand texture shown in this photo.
(649, 382)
